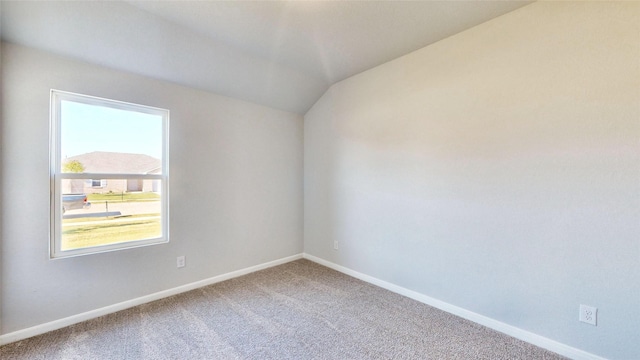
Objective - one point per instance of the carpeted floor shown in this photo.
(299, 310)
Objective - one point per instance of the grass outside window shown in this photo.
(92, 232)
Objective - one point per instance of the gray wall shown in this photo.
(235, 187)
(1, 181)
(497, 170)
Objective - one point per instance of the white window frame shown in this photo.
(56, 174)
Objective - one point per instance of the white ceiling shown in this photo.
(282, 54)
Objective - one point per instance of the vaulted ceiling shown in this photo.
(282, 54)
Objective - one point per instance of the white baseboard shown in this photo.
(510, 330)
(60, 323)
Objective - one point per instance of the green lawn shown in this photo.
(135, 196)
(109, 231)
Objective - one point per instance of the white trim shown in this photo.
(535, 339)
(92, 314)
(103, 176)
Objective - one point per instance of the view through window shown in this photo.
(109, 170)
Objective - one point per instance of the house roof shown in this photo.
(118, 163)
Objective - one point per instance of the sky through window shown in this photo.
(86, 128)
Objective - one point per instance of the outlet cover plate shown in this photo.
(588, 314)
(180, 261)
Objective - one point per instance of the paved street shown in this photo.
(124, 208)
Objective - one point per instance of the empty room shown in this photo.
(320, 180)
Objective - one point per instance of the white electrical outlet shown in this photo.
(335, 245)
(588, 314)
(181, 261)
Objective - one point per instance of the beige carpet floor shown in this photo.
(299, 310)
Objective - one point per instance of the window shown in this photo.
(98, 183)
(109, 175)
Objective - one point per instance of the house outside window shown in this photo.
(109, 175)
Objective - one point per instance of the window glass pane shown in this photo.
(124, 210)
(109, 175)
(100, 139)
